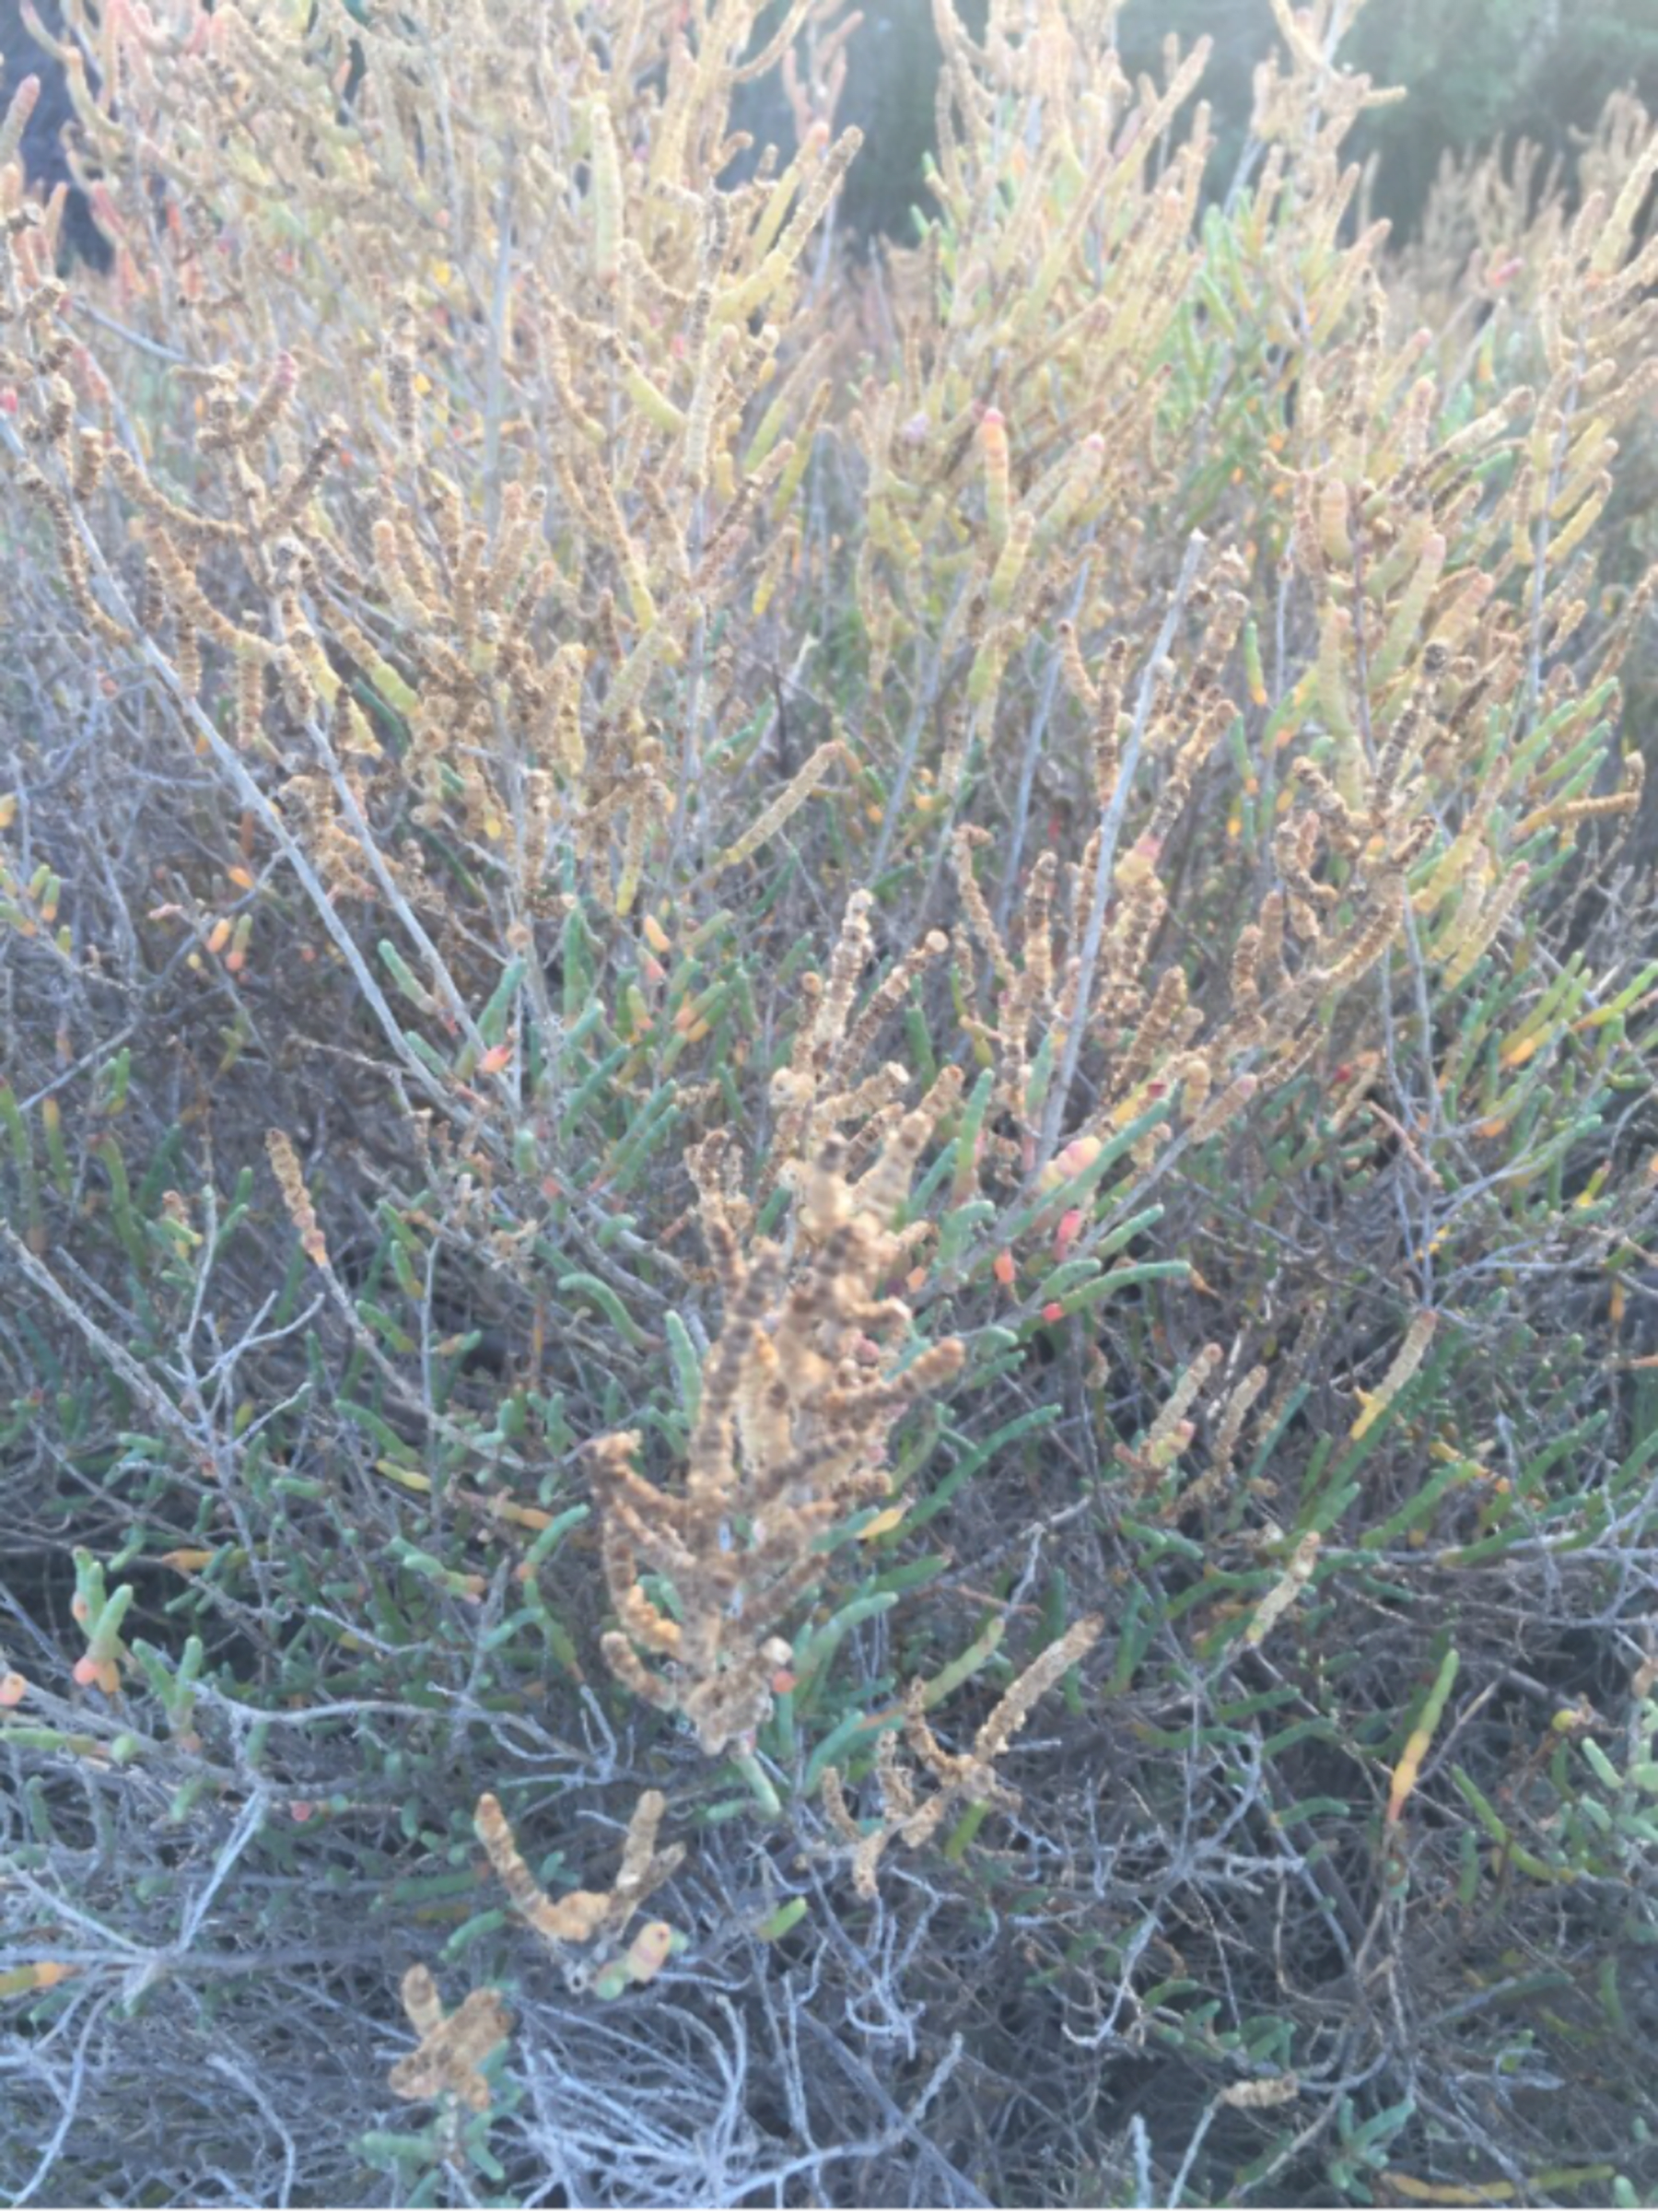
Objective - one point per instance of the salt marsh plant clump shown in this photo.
(827, 1167)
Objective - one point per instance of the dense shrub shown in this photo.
(828, 1111)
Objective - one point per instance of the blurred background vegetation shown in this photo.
(1476, 71)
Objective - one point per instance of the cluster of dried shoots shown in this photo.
(452, 2045)
(566, 439)
(1427, 760)
(961, 1780)
(798, 1394)
(1209, 1393)
(821, 1087)
(1440, 681)
(593, 1922)
(1093, 932)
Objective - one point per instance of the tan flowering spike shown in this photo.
(609, 207)
(1223, 1108)
(1263, 2095)
(293, 492)
(1157, 1028)
(1014, 1708)
(143, 492)
(889, 995)
(562, 719)
(1483, 934)
(1304, 1562)
(788, 802)
(1212, 1482)
(1406, 1360)
(290, 1178)
(1370, 940)
(1083, 688)
(272, 403)
(1567, 812)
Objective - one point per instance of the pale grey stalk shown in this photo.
(925, 699)
(1032, 755)
(1111, 829)
(394, 899)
